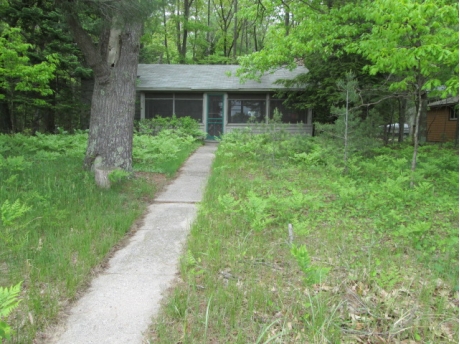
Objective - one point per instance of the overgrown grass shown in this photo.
(57, 227)
(371, 259)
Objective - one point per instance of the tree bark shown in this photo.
(168, 60)
(423, 117)
(113, 105)
(286, 18)
(417, 126)
(183, 48)
(5, 118)
(113, 101)
(235, 31)
(402, 118)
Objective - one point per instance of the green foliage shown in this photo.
(255, 211)
(413, 39)
(377, 184)
(23, 150)
(182, 126)
(117, 176)
(11, 212)
(313, 274)
(43, 29)
(151, 151)
(8, 302)
(161, 144)
(395, 48)
(13, 236)
(17, 73)
(14, 163)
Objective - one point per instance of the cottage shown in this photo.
(442, 120)
(214, 96)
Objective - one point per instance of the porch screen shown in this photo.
(244, 108)
(288, 114)
(180, 104)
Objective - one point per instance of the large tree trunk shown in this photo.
(113, 105)
(113, 102)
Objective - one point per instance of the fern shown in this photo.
(8, 302)
(313, 274)
(11, 212)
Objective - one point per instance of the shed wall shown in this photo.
(439, 127)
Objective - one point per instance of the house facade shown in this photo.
(442, 120)
(214, 96)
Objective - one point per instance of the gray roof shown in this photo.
(443, 102)
(169, 77)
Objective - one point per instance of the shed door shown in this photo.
(215, 118)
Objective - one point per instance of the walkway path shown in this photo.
(121, 301)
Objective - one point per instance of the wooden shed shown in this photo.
(216, 98)
(442, 120)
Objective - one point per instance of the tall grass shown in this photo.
(379, 261)
(57, 227)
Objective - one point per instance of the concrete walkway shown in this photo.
(121, 301)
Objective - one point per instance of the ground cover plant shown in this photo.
(57, 228)
(290, 247)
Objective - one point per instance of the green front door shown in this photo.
(215, 118)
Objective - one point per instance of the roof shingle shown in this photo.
(444, 102)
(167, 77)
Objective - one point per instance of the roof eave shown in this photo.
(146, 88)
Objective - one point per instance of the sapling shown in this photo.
(349, 131)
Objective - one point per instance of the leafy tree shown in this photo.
(43, 28)
(417, 41)
(409, 47)
(304, 39)
(204, 31)
(21, 81)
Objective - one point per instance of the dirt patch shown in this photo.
(157, 179)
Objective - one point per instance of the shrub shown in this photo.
(186, 126)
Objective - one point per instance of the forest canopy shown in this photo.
(395, 48)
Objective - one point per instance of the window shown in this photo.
(288, 114)
(158, 107)
(453, 114)
(244, 108)
(180, 104)
(189, 104)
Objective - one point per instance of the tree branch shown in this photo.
(85, 43)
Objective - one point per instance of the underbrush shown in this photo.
(288, 248)
(57, 227)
